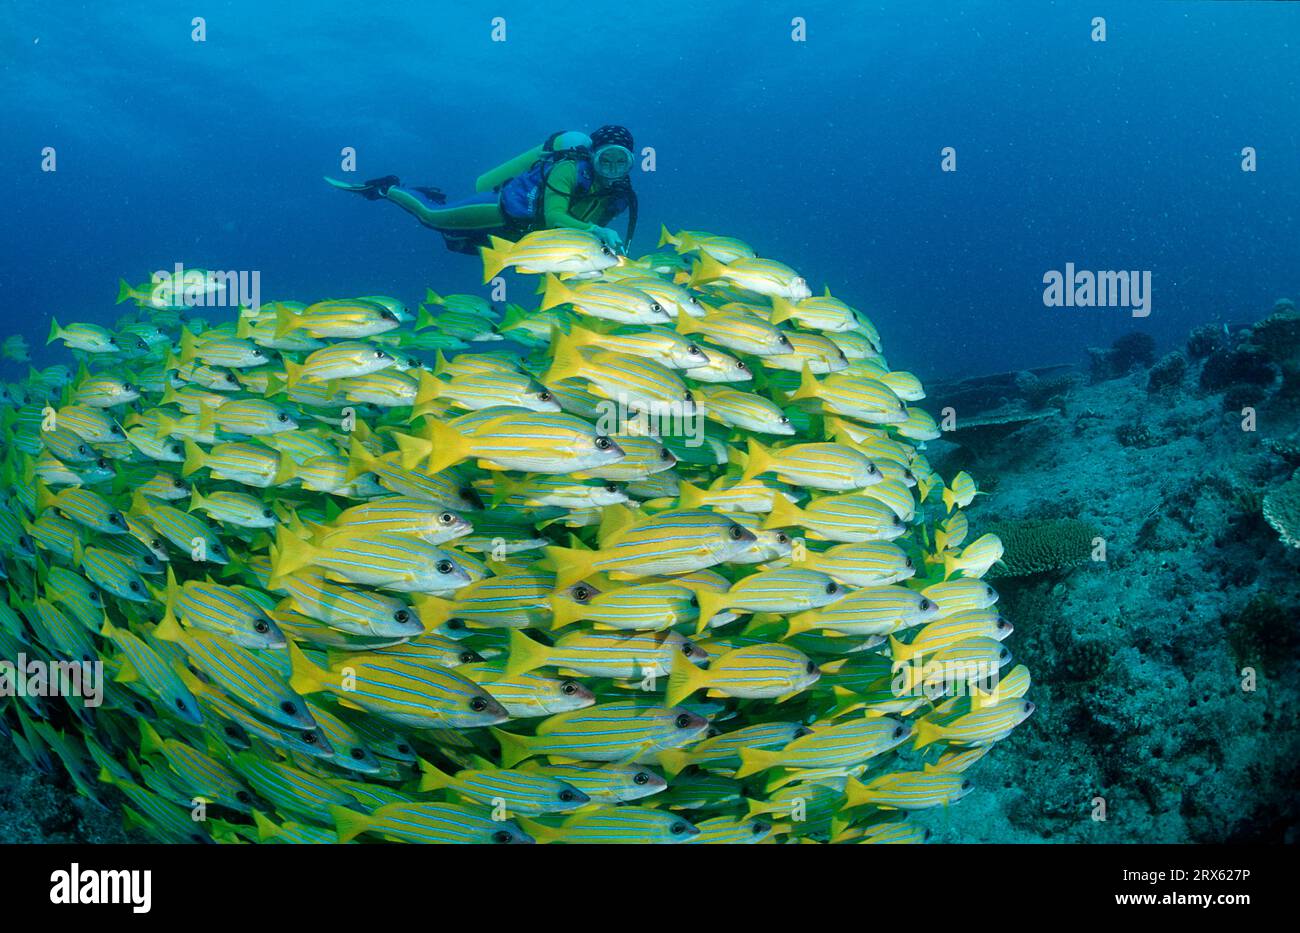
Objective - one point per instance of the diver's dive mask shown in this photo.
(612, 161)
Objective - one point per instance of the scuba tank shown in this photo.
(493, 179)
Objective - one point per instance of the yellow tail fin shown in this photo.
(570, 565)
(349, 824)
(195, 458)
(684, 679)
(525, 654)
(555, 293)
(784, 514)
(757, 462)
(495, 257)
(754, 760)
(448, 446)
(514, 748)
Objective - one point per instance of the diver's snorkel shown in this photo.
(612, 162)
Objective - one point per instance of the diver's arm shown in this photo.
(557, 195)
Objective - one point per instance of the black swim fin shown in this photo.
(371, 190)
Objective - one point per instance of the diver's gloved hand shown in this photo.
(609, 237)
(377, 188)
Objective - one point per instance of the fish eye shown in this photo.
(665, 454)
(243, 797)
(740, 364)
(102, 463)
(309, 738)
(569, 688)
(446, 518)
(501, 837)
(611, 487)
(693, 350)
(156, 543)
(783, 420)
(403, 748)
(832, 587)
(656, 307)
(261, 626)
(603, 443)
(544, 396)
(83, 450)
(381, 355)
(267, 513)
(688, 649)
(735, 532)
(695, 602)
(180, 704)
(112, 341)
(640, 778)
(470, 657)
(907, 562)
(358, 754)
(811, 667)
(689, 396)
(115, 518)
(133, 586)
(232, 732)
(898, 732)
(759, 828)
(683, 721)
(142, 707)
(478, 704)
(581, 594)
(605, 250)
(967, 784)
(677, 829)
(402, 616)
(288, 708)
(785, 342)
(456, 625)
(567, 796)
(782, 538)
(445, 566)
(282, 418)
(388, 315)
(925, 605)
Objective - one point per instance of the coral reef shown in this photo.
(1282, 511)
(1122, 357)
(1138, 661)
(1168, 373)
(1040, 545)
(1205, 340)
(1244, 366)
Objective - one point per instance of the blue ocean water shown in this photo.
(825, 153)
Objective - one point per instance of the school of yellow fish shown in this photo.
(660, 561)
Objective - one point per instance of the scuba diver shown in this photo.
(571, 180)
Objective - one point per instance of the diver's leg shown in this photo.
(472, 214)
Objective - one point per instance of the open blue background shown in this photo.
(825, 154)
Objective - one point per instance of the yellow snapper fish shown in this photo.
(567, 252)
(372, 556)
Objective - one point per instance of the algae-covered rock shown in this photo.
(1168, 373)
(1038, 545)
(1282, 511)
